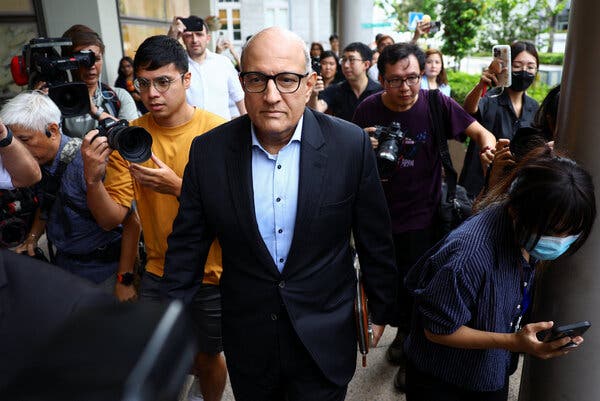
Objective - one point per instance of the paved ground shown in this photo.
(375, 382)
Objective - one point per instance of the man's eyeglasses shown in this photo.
(285, 82)
(161, 84)
(397, 82)
(350, 60)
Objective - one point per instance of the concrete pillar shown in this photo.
(351, 15)
(569, 290)
(101, 16)
(314, 21)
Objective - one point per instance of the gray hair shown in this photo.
(31, 110)
(295, 37)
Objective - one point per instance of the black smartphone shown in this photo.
(192, 24)
(570, 330)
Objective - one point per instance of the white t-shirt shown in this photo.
(5, 180)
(214, 83)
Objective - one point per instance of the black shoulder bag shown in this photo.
(455, 206)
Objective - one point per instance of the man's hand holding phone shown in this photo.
(527, 340)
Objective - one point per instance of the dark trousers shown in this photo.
(421, 386)
(291, 375)
(409, 246)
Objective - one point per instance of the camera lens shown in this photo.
(133, 143)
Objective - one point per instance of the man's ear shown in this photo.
(52, 130)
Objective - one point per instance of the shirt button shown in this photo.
(518, 306)
(281, 284)
(280, 231)
(274, 316)
(279, 166)
(278, 200)
(280, 260)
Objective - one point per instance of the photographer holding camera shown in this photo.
(82, 246)
(105, 101)
(343, 98)
(413, 189)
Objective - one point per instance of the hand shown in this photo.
(377, 333)
(160, 179)
(29, 245)
(222, 44)
(527, 342)
(94, 152)
(489, 75)
(503, 159)
(486, 157)
(176, 29)
(125, 293)
(370, 131)
(318, 87)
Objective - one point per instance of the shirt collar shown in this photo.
(297, 136)
(52, 167)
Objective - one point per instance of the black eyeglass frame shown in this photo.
(274, 78)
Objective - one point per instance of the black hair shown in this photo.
(546, 116)
(334, 36)
(519, 46)
(158, 51)
(548, 194)
(365, 52)
(399, 51)
(329, 53)
(129, 60)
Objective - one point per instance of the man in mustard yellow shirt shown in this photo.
(161, 67)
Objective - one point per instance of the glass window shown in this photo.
(140, 19)
(230, 16)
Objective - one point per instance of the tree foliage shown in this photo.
(505, 21)
(461, 20)
(399, 9)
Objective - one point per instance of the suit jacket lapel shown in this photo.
(313, 165)
(239, 172)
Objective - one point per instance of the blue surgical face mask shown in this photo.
(550, 248)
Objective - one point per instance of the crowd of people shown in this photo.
(263, 180)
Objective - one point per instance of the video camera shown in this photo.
(41, 61)
(133, 143)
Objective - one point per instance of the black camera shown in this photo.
(17, 209)
(315, 64)
(133, 143)
(41, 61)
(389, 150)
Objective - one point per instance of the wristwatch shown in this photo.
(125, 278)
(6, 141)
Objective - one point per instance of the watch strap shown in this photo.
(8, 140)
(125, 278)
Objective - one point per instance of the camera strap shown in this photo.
(439, 126)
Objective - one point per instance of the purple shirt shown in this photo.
(414, 190)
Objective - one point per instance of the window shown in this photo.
(230, 17)
(277, 14)
(140, 19)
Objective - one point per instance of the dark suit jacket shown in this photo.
(339, 192)
(35, 300)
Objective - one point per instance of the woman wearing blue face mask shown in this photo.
(473, 287)
(501, 110)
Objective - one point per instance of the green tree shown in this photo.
(550, 10)
(504, 21)
(461, 20)
(399, 9)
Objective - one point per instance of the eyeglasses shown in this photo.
(350, 60)
(161, 84)
(285, 82)
(397, 82)
(531, 68)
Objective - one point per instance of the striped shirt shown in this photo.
(474, 278)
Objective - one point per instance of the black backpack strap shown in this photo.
(113, 104)
(439, 125)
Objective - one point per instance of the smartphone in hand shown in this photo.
(502, 54)
(570, 330)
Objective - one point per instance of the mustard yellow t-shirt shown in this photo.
(158, 211)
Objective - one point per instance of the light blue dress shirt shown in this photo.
(275, 182)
